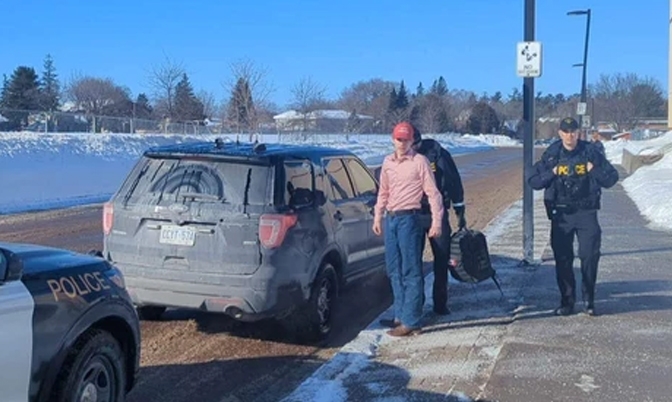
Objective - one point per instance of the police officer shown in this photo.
(572, 173)
(449, 183)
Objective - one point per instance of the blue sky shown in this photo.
(470, 42)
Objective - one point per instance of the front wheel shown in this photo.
(94, 371)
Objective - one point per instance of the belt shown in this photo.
(402, 212)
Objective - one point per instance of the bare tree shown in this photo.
(163, 79)
(307, 96)
(98, 95)
(431, 108)
(370, 98)
(101, 97)
(210, 108)
(254, 100)
(626, 98)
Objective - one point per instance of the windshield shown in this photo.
(158, 181)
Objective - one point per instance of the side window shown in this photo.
(364, 183)
(298, 183)
(338, 177)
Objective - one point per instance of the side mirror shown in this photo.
(11, 267)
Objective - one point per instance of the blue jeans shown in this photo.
(404, 238)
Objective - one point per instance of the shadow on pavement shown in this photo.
(633, 296)
(639, 251)
(359, 379)
(481, 304)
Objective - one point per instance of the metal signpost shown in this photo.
(528, 67)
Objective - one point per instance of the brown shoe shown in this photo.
(390, 323)
(402, 330)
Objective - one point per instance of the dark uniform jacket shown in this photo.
(447, 176)
(573, 188)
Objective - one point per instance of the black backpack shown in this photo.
(470, 258)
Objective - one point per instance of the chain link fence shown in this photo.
(68, 122)
(64, 122)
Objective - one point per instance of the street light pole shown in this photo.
(587, 13)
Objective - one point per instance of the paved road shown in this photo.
(206, 356)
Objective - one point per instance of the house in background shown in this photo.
(323, 121)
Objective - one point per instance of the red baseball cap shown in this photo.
(403, 131)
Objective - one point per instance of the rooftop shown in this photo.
(245, 149)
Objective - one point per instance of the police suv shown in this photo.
(68, 331)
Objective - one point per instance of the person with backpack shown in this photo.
(449, 183)
(572, 173)
(405, 178)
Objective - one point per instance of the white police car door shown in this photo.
(16, 340)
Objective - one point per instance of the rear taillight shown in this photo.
(108, 215)
(273, 228)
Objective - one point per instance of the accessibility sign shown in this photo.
(528, 59)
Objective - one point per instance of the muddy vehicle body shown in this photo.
(253, 231)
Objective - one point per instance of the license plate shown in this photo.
(177, 235)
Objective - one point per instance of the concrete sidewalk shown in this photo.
(513, 349)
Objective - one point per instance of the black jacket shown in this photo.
(447, 177)
(603, 175)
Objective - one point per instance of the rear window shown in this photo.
(158, 181)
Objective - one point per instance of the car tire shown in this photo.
(315, 320)
(94, 367)
(151, 313)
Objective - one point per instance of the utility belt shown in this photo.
(554, 208)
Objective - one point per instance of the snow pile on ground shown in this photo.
(614, 150)
(44, 171)
(650, 186)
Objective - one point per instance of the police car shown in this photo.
(68, 330)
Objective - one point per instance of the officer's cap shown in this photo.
(569, 125)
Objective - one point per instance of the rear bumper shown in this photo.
(250, 299)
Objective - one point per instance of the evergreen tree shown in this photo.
(5, 91)
(420, 90)
(483, 119)
(23, 89)
(402, 97)
(187, 106)
(241, 106)
(143, 110)
(22, 95)
(497, 97)
(49, 86)
(439, 87)
(392, 104)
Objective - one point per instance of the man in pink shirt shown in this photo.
(404, 178)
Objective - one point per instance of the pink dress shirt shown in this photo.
(403, 181)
